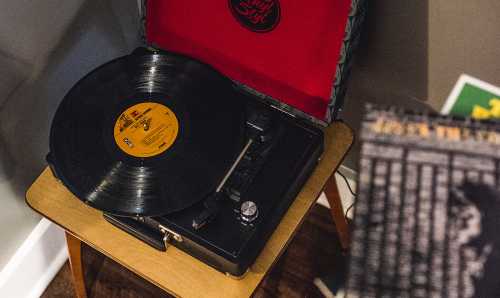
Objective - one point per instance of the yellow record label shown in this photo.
(146, 129)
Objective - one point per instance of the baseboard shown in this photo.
(35, 263)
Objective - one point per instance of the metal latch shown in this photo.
(168, 235)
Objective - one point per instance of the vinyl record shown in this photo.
(147, 134)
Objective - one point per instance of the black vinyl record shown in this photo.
(147, 134)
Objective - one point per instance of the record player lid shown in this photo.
(293, 51)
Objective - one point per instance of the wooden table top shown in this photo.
(175, 271)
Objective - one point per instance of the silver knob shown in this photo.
(249, 211)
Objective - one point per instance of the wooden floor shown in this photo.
(313, 252)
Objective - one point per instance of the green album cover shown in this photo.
(473, 97)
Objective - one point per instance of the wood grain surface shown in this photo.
(175, 271)
(314, 251)
(75, 261)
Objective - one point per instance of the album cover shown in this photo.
(428, 207)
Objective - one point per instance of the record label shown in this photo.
(146, 129)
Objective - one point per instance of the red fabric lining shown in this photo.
(295, 62)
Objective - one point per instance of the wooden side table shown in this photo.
(175, 271)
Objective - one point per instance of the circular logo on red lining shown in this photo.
(256, 15)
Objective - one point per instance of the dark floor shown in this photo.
(312, 253)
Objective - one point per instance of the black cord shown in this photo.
(349, 209)
(347, 183)
(352, 193)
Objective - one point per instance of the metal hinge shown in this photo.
(283, 111)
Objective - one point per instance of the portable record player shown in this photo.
(193, 159)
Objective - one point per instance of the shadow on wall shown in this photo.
(390, 66)
(6, 162)
(103, 30)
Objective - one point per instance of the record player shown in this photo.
(203, 139)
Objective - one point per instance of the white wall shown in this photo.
(45, 48)
(29, 30)
(464, 37)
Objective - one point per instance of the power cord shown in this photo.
(349, 209)
(347, 183)
(351, 191)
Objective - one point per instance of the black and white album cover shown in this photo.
(428, 210)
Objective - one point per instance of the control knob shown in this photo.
(249, 211)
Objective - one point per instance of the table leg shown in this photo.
(75, 262)
(332, 195)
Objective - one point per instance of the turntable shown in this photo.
(203, 139)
